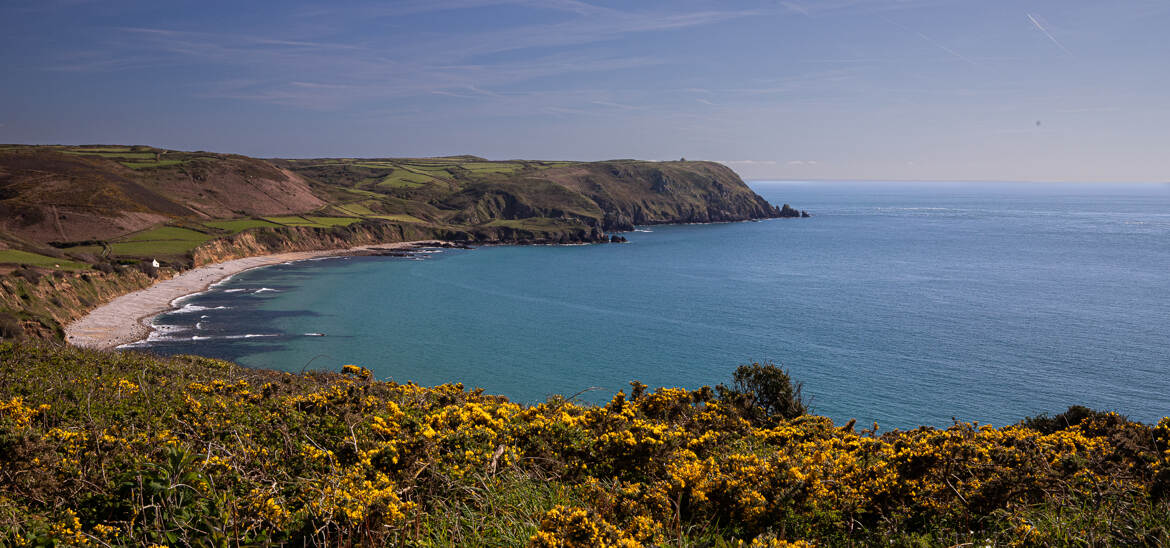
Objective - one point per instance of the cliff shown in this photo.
(69, 210)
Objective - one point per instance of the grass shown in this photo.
(402, 178)
(531, 223)
(491, 167)
(374, 165)
(76, 150)
(87, 249)
(159, 242)
(149, 249)
(147, 165)
(334, 221)
(168, 233)
(399, 217)
(238, 225)
(357, 209)
(15, 256)
(313, 221)
(365, 193)
(115, 155)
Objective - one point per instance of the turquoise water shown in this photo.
(902, 303)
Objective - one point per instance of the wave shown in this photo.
(221, 281)
(189, 308)
(160, 333)
(236, 290)
(229, 337)
(265, 290)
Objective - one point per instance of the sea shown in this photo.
(903, 304)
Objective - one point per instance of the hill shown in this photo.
(104, 202)
(72, 211)
(125, 449)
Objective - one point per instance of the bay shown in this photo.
(901, 303)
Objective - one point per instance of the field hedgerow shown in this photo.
(119, 449)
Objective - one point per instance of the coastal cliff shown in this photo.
(82, 225)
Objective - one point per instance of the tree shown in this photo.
(764, 391)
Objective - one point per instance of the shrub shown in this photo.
(764, 391)
(1075, 415)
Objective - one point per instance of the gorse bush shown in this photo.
(123, 449)
(764, 391)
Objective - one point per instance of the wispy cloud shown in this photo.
(931, 41)
(1043, 29)
(464, 65)
(813, 8)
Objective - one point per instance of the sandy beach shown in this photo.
(126, 319)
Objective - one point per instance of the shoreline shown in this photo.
(126, 319)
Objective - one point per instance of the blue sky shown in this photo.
(795, 89)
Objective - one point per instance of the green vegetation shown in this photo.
(118, 155)
(354, 209)
(492, 167)
(532, 223)
(124, 449)
(14, 256)
(399, 217)
(167, 233)
(401, 178)
(166, 241)
(148, 165)
(313, 221)
(238, 225)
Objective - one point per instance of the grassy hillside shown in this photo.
(125, 204)
(123, 449)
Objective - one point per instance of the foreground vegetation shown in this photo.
(126, 449)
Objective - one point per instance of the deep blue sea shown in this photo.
(901, 303)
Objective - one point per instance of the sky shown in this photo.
(1041, 90)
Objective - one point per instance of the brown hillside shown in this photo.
(70, 194)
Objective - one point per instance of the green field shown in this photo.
(147, 165)
(167, 233)
(115, 155)
(399, 217)
(366, 193)
(375, 165)
(312, 221)
(354, 209)
(334, 221)
(405, 178)
(238, 225)
(491, 167)
(23, 257)
(162, 241)
(531, 223)
(158, 248)
(85, 150)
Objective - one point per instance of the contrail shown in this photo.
(1048, 34)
